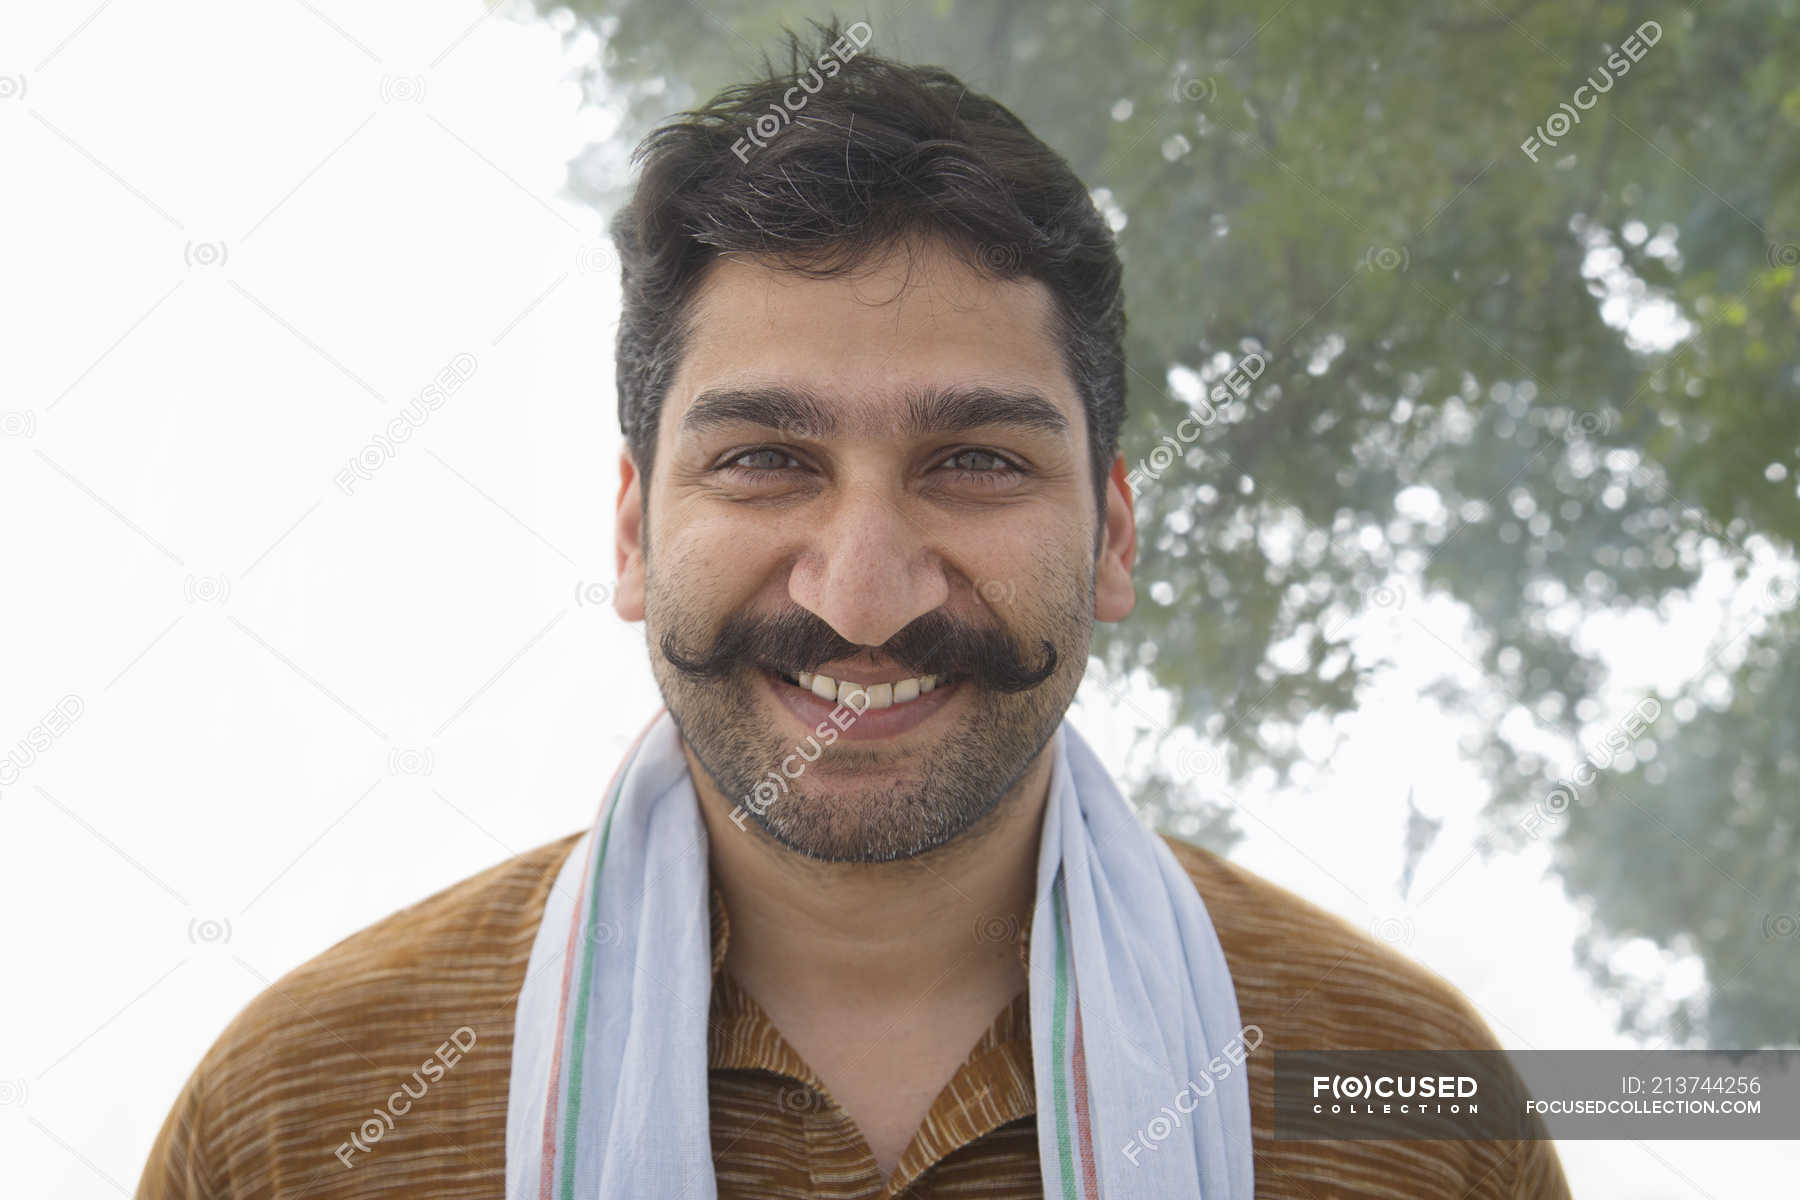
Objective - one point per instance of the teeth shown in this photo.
(880, 695)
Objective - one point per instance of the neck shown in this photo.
(831, 933)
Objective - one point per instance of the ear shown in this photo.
(628, 541)
(1114, 595)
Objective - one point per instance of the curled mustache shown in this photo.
(798, 640)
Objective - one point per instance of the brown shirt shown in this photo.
(320, 1087)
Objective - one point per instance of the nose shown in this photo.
(869, 569)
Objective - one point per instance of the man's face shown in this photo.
(877, 481)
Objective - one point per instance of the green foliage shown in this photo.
(1342, 189)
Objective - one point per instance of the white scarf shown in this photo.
(1135, 1037)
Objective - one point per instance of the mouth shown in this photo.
(879, 695)
(860, 710)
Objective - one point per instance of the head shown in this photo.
(871, 375)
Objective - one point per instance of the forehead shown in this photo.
(913, 319)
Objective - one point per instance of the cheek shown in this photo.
(707, 560)
(1039, 581)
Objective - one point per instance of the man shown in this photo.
(860, 916)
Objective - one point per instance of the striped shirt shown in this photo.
(381, 1067)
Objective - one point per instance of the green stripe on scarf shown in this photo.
(578, 1036)
(1059, 1048)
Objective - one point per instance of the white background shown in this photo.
(237, 238)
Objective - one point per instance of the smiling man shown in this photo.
(861, 914)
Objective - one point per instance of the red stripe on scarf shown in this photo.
(1078, 1069)
(547, 1178)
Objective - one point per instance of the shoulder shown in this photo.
(1318, 979)
(1310, 980)
(420, 1001)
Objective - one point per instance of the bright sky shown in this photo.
(239, 236)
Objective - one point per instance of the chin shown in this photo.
(866, 825)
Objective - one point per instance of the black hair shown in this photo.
(839, 156)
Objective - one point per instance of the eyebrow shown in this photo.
(928, 411)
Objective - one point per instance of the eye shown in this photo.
(981, 463)
(761, 459)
